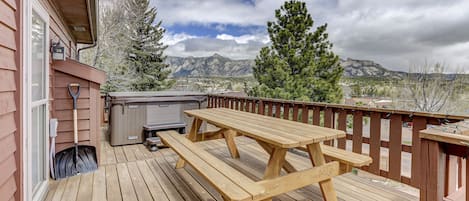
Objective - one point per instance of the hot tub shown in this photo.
(130, 112)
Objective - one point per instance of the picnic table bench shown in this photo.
(275, 136)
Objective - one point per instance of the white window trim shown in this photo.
(28, 104)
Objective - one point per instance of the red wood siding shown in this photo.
(63, 106)
(88, 111)
(8, 124)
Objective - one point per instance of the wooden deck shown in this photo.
(133, 173)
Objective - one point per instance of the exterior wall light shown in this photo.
(58, 51)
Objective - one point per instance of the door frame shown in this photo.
(28, 104)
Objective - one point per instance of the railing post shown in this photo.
(357, 131)
(261, 107)
(418, 124)
(432, 172)
(286, 111)
(278, 109)
(342, 126)
(304, 114)
(375, 142)
(295, 112)
(395, 147)
(328, 122)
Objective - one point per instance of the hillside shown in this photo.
(219, 66)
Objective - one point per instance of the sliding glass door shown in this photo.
(36, 100)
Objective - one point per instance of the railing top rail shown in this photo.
(454, 133)
(350, 107)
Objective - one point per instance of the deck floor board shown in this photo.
(133, 173)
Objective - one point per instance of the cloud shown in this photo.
(216, 11)
(244, 39)
(173, 38)
(201, 47)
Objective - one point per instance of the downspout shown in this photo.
(90, 19)
(85, 48)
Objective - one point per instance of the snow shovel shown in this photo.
(80, 158)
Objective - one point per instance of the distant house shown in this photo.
(369, 102)
(29, 80)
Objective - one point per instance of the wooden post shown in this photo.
(418, 124)
(342, 126)
(295, 112)
(316, 116)
(432, 172)
(261, 107)
(278, 107)
(329, 122)
(395, 147)
(357, 132)
(375, 142)
(304, 114)
(270, 110)
(286, 111)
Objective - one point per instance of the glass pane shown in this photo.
(38, 51)
(38, 145)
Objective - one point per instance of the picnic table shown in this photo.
(275, 136)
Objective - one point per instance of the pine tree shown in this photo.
(145, 55)
(299, 64)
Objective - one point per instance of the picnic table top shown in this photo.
(275, 131)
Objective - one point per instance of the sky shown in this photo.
(398, 34)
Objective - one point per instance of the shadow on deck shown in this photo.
(133, 173)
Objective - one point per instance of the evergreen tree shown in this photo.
(299, 65)
(145, 55)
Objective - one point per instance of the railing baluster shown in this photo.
(328, 122)
(418, 124)
(246, 105)
(357, 131)
(286, 111)
(342, 126)
(395, 141)
(270, 110)
(237, 104)
(460, 173)
(261, 107)
(451, 174)
(241, 104)
(295, 112)
(375, 142)
(253, 106)
(304, 114)
(278, 107)
(209, 98)
(316, 116)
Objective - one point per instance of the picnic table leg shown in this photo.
(230, 142)
(287, 166)
(274, 166)
(192, 137)
(317, 158)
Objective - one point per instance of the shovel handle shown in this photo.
(75, 127)
(74, 95)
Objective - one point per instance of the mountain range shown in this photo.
(220, 66)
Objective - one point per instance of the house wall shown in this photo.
(11, 153)
(9, 65)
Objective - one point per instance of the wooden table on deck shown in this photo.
(274, 135)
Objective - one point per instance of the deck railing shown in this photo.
(390, 137)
